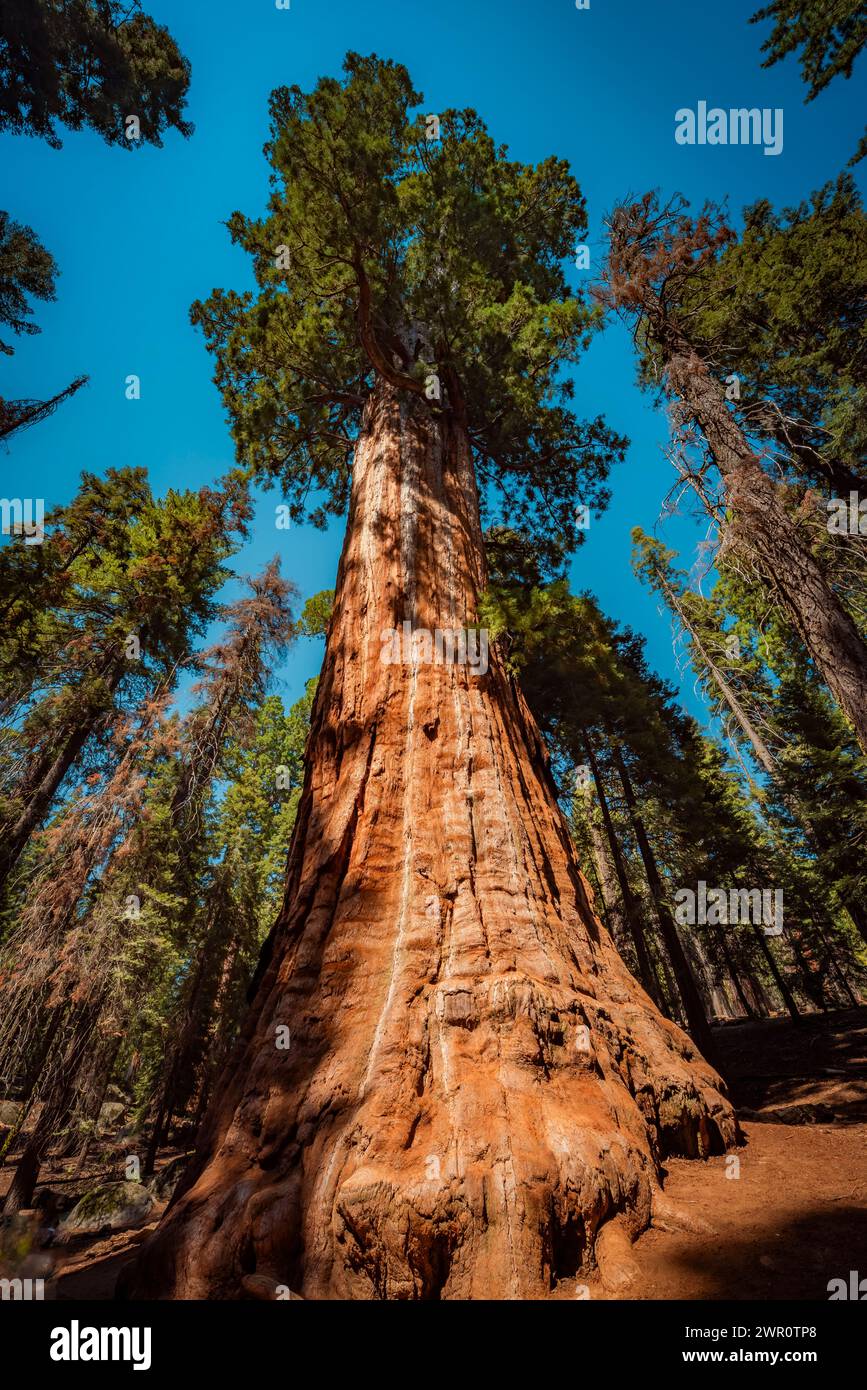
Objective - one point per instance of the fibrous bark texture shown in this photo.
(474, 1083)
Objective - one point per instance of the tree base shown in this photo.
(498, 1190)
(475, 1084)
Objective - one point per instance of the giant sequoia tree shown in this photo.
(476, 1093)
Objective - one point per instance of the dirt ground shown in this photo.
(795, 1216)
(789, 1215)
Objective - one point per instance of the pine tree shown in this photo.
(79, 957)
(246, 837)
(116, 610)
(26, 270)
(260, 627)
(655, 253)
(783, 311)
(59, 966)
(781, 722)
(93, 63)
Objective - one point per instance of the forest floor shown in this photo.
(794, 1217)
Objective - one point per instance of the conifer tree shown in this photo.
(89, 64)
(115, 612)
(782, 310)
(828, 38)
(655, 255)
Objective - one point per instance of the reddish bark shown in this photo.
(436, 1128)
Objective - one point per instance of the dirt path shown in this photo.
(791, 1214)
(795, 1217)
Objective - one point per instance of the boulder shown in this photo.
(10, 1111)
(109, 1114)
(163, 1183)
(115, 1206)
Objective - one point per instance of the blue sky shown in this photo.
(138, 236)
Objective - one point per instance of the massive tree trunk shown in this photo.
(475, 1083)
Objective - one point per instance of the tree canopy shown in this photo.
(89, 63)
(27, 271)
(784, 306)
(385, 252)
(829, 37)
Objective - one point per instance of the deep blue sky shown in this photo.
(138, 236)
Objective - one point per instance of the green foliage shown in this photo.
(383, 253)
(785, 307)
(136, 917)
(226, 895)
(26, 270)
(316, 614)
(100, 614)
(829, 35)
(89, 63)
(253, 824)
(808, 778)
(594, 696)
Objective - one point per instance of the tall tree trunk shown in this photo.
(103, 1067)
(786, 994)
(832, 950)
(688, 989)
(57, 1101)
(734, 973)
(858, 918)
(606, 878)
(474, 1082)
(631, 905)
(219, 1041)
(42, 780)
(177, 1053)
(765, 537)
(760, 748)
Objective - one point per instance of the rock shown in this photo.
(109, 1114)
(163, 1183)
(10, 1110)
(115, 1206)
